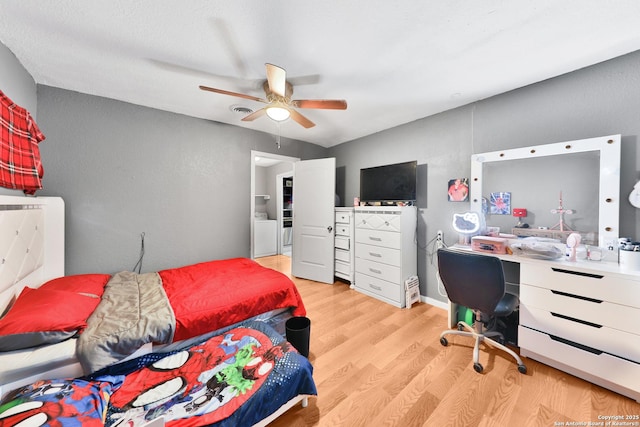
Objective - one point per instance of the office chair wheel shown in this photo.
(478, 368)
(460, 327)
(522, 369)
(444, 341)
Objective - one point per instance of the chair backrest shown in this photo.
(472, 280)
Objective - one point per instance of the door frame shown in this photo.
(252, 195)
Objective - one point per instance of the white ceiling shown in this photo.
(392, 61)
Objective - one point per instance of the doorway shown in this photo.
(284, 207)
(268, 172)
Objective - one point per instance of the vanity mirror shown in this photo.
(589, 168)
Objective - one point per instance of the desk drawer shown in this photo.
(597, 285)
(378, 287)
(379, 254)
(378, 270)
(379, 238)
(341, 242)
(619, 343)
(343, 230)
(579, 307)
(617, 374)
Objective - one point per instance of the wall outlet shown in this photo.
(440, 238)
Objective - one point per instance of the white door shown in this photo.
(313, 219)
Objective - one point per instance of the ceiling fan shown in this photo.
(280, 106)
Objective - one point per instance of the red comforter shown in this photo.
(211, 295)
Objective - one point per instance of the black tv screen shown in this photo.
(389, 183)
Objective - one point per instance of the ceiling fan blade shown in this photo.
(277, 78)
(302, 120)
(323, 104)
(226, 92)
(255, 115)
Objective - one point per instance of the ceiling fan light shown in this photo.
(278, 114)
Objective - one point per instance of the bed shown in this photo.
(246, 375)
(101, 321)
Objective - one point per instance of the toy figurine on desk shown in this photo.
(468, 224)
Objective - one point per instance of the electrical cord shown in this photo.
(139, 263)
(432, 254)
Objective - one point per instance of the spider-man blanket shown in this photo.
(236, 378)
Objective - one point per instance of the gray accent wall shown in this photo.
(124, 170)
(600, 100)
(16, 82)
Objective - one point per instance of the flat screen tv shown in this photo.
(389, 183)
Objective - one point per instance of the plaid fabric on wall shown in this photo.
(20, 164)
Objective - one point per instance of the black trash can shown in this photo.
(298, 331)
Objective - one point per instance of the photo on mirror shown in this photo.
(500, 203)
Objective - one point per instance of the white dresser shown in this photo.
(582, 318)
(344, 244)
(385, 251)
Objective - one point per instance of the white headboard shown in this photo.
(31, 243)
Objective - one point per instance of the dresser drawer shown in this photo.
(342, 242)
(342, 255)
(379, 254)
(379, 238)
(370, 220)
(343, 217)
(342, 268)
(614, 341)
(343, 230)
(622, 376)
(597, 286)
(373, 285)
(381, 271)
(591, 310)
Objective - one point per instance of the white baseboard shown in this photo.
(435, 302)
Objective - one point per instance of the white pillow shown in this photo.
(7, 298)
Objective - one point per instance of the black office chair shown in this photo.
(477, 282)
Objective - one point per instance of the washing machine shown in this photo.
(265, 235)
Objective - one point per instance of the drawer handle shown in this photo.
(576, 345)
(375, 255)
(377, 288)
(577, 273)
(565, 294)
(375, 239)
(373, 270)
(573, 319)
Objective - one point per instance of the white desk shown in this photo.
(580, 317)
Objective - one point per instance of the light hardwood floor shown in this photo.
(377, 365)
